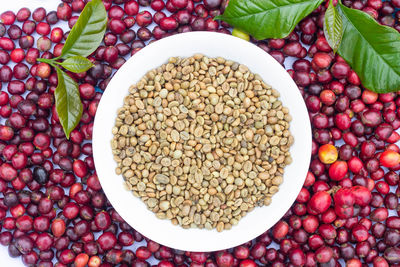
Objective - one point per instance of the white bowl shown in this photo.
(132, 209)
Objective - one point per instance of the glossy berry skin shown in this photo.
(168, 23)
(320, 202)
(157, 5)
(131, 7)
(342, 121)
(7, 18)
(58, 227)
(56, 35)
(338, 170)
(327, 154)
(247, 263)
(144, 18)
(224, 259)
(17, 55)
(43, 28)
(64, 11)
(179, 4)
(389, 158)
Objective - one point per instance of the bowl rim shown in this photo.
(98, 145)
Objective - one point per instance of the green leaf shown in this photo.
(333, 27)
(77, 64)
(88, 31)
(371, 49)
(68, 102)
(267, 18)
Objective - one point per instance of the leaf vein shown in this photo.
(373, 47)
(288, 5)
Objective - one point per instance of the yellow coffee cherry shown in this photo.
(327, 154)
(241, 34)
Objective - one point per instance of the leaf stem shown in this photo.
(48, 61)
